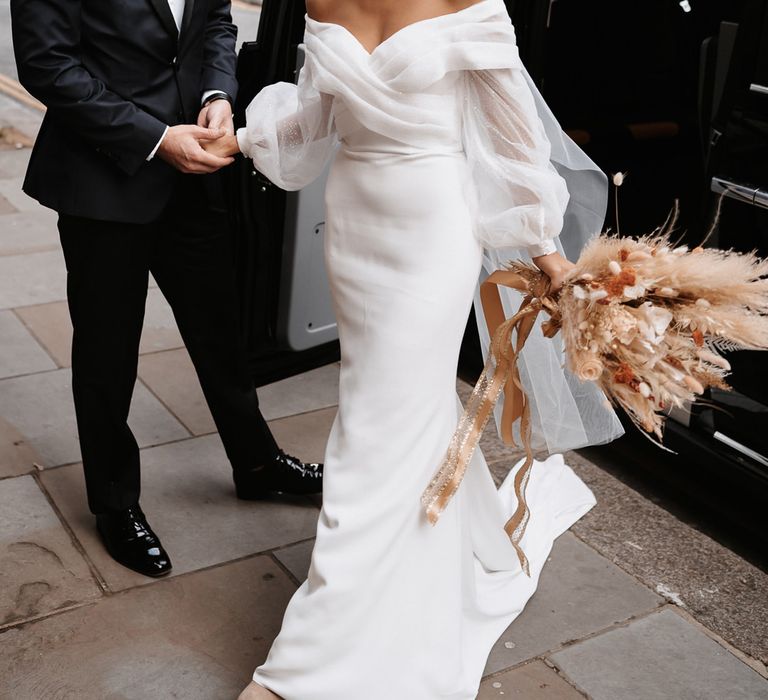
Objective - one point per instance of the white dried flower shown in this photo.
(589, 369)
(638, 255)
(703, 303)
(666, 292)
(618, 179)
(644, 390)
(634, 292)
(579, 292)
(673, 372)
(653, 322)
(624, 327)
(714, 359)
(598, 294)
(614, 267)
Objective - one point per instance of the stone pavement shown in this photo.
(633, 604)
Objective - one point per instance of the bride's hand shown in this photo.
(223, 147)
(556, 267)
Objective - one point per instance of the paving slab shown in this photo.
(160, 331)
(5, 206)
(28, 232)
(306, 434)
(659, 657)
(51, 325)
(720, 589)
(10, 188)
(172, 378)
(20, 353)
(189, 499)
(296, 559)
(310, 391)
(34, 278)
(13, 163)
(16, 455)
(12, 112)
(40, 569)
(196, 637)
(533, 681)
(579, 593)
(40, 407)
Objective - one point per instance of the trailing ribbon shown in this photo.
(500, 373)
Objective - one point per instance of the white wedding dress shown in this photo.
(394, 608)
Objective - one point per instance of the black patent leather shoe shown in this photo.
(285, 474)
(130, 541)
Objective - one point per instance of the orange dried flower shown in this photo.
(625, 375)
(615, 286)
(698, 338)
(669, 359)
(623, 254)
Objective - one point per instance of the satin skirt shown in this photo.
(395, 608)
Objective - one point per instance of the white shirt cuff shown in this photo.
(543, 248)
(154, 150)
(208, 93)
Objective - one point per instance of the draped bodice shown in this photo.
(440, 132)
(407, 91)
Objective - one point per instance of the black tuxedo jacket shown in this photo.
(113, 74)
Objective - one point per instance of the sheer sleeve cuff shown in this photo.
(543, 248)
(242, 141)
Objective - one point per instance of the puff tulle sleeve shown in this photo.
(290, 133)
(522, 198)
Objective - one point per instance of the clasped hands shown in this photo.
(205, 147)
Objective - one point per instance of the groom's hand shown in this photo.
(217, 115)
(181, 147)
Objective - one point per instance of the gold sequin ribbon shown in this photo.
(500, 373)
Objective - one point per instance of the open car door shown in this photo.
(287, 312)
(286, 305)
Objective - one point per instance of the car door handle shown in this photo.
(742, 192)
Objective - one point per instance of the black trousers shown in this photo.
(188, 250)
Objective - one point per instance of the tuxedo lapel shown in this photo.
(163, 10)
(189, 8)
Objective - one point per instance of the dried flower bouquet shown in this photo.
(647, 320)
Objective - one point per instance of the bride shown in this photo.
(442, 150)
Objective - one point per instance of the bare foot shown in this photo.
(254, 691)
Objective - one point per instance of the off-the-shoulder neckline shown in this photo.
(456, 13)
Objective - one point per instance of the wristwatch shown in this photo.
(218, 95)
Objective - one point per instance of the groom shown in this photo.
(133, 89)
